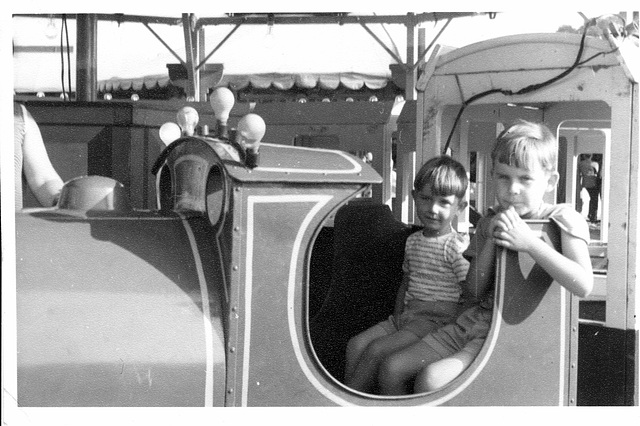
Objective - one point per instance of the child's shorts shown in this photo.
(467, 333)
(422, 318)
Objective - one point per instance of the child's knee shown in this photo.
(427, 380)
(440, 373)
(357, 344)
(352, 344)
(392, 368)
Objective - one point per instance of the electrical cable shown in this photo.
(66, 30)
(62, 58)
(529, 88)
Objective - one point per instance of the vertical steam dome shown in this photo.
(94, 193)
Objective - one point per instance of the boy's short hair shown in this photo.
(525, 144)
(444, 175)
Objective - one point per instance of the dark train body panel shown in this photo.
(122, 311)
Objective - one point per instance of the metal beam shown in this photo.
(384, 46)
(115, 17)
(278, 18)
(424, 51)
(201, 64)
(190, 44)
(164, 43)
(340, 19)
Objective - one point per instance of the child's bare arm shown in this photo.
(571, 268)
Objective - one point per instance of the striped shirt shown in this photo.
(435, 266)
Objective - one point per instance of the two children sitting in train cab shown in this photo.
(445, 304)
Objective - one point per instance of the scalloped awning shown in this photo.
(328, 81)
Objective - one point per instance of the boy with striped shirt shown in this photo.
(429, 296)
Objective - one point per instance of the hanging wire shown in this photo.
(66, 31)
(62, 59)
(64, 35)
(531, 87)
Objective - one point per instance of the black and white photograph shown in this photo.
(387, 207)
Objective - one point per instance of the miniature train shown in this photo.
(206, 301)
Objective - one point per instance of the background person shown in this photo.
(590, 180)
(31, 160)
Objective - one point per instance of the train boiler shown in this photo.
(176, 307)
(206, 300)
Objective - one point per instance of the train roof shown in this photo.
(285, 163)
(513, 62)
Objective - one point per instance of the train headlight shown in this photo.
(188, 119)
(222, 100)
(169, 132)
(251, 129)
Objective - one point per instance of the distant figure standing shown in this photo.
(30, 157)
(589, 173)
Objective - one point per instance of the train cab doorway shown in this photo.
(587, 145)
(589, 141)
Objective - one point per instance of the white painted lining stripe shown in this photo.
(563, 342)
(321, 201)
(248, 293)
(206, 316)
(356, 167)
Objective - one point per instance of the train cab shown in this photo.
(585, 90)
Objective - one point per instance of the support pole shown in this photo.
(87, 58)
(191, 48)
(410, 71)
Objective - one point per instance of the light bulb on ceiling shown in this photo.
(269, 38)
(51, 31)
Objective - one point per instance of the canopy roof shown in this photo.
(281, 81)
